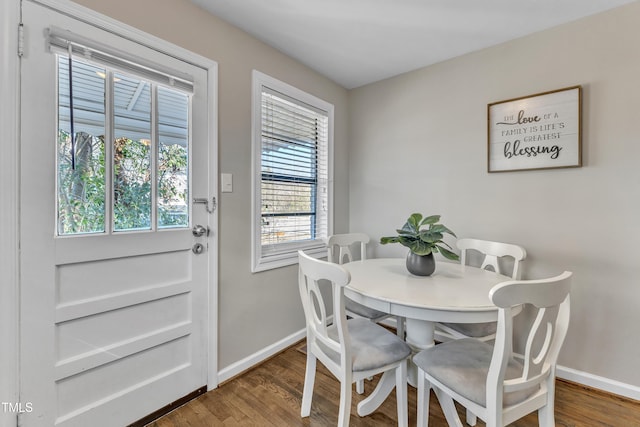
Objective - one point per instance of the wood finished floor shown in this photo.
(270, 394)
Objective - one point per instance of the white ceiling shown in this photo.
(355, 42)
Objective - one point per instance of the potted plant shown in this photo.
(423, 237)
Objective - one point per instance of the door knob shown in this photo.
(199, 230)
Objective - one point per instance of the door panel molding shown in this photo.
(121, 245)
(82, 413)
(77, 309)
(90, 360)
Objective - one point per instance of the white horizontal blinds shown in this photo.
(75, 44)
(294, 171)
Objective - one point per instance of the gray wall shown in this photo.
(418, 143)
(255, 310)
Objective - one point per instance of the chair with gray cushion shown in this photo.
(339, 251)
(351, 349)
(494, 257)
(493, 382)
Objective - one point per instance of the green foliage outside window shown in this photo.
(82, 189)
(131, 184)
(172, 188)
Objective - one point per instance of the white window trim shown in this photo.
(260, 262)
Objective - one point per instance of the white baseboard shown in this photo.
(252, 360)
(600, 383)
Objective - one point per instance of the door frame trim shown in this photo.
(9, 212)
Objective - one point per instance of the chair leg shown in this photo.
(449, 409)
(546, 414)
(424, 393)
(401, 394)
(360, 386)
(545, 418)
(345, 403)
(309, 379)
(471, 418)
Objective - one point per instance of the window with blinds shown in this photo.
(291, 154)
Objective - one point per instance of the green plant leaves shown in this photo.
(423, 241)
(419, 247)
(448, 254)
(430, 236)
(392, 239)
(429, 220)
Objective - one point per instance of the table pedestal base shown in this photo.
(419, 336)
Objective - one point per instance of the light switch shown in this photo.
(227, 182)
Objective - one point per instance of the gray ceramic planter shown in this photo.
(421, 265)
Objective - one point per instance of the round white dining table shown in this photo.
(453, 293)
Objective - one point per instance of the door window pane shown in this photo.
(131, 153)
(80, 160)
(139, 179)
(173, 150)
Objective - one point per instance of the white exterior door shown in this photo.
(114, 301)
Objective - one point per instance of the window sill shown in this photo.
(271, 262)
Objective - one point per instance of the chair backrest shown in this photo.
(341, 243)
(549, 301)
(313, 275)
(492, 251)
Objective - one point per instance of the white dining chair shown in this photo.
(492, 252)
(351, 349)
(491, 381)
(339, 251)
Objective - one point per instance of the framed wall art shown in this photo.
(540, 131)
